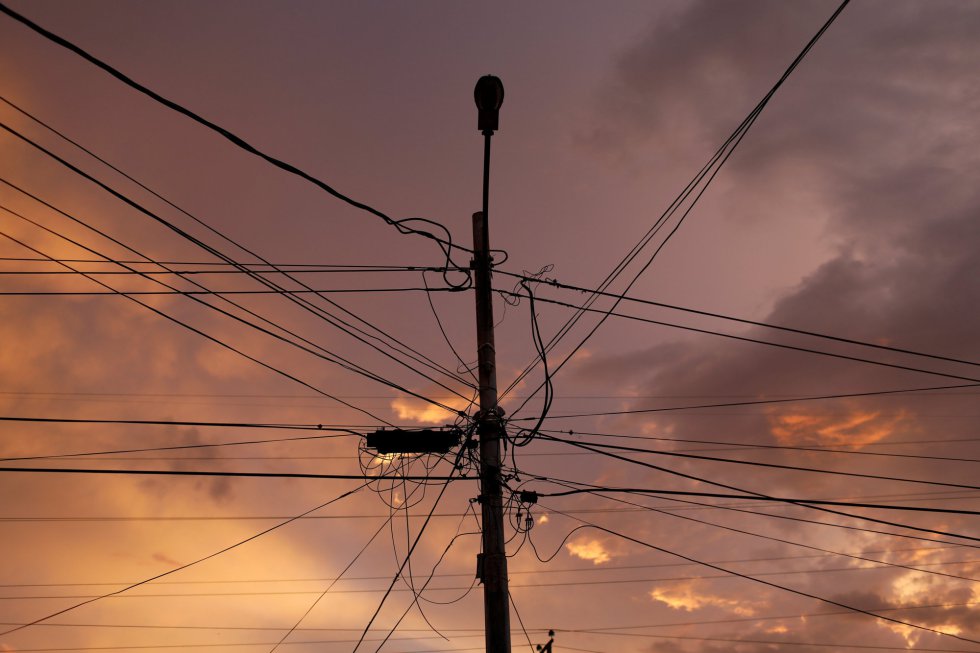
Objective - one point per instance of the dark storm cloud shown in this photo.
(877, 132)
(890, 159)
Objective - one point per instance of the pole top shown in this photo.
(489, 95)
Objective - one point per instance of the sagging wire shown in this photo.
(467, 368)
(386, 471)
(523, 437)
(513, 298)
(478, 531)
(445, 244)
(518, 510)
(408, 579)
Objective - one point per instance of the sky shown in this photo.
(849, 209)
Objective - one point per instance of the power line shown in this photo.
(316, 310)
(808, 350)
(556, 284)
(238, 267)
(333, 582)
(726, 486)
(89, 454)
(756, 463)
(839, 604)
(802, 520)
(146, 422)
(324, 355)
(411, 550)
(582, 570)
(595, 630)
(827, 552)
(185, 472)
(185, 566)
(666, 508)
(772, 642)
(713, 167)
(401, 225)
(758, 402)
(743, 446)
(584, 583)
(418, 594)
(247, 269)
(186, 293)
(798, 502)
(218, 341)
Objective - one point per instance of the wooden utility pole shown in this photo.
(492, 562)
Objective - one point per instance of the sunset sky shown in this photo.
(849, 209)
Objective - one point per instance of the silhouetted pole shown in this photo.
(492, 563)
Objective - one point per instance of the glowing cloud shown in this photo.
(686, 597)
(419, 411)
(858, 429)
(589, 550)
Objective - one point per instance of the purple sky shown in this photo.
(850, 209)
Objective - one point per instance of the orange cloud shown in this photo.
(686, 597)
(857, 429)
(589, 550)
(423, 412)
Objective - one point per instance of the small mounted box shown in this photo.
(389, 441)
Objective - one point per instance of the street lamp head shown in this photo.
(489, 95)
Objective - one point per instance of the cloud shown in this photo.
(165, 559)
(857, 429)
(688, 597)
(589, 549)
(420, 411)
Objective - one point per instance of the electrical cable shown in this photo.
(513, 604)
(802, 520)
(180, 447)
(717, 161)
(415, 355)
(186, 472)
(332, 583)
(184, 566)
(759, 402)
(147, 422)
(464, 365)
(222, 293)
(840, 646)
(811, 506)
(333, 320)
(666, 494)
(758, 341)
(579, 570)
(445, 552)
(446, 245)
(771, 584)
(549, 391)
(418, 594)
(744, 446)
(556, 284)
(327, 355)
(216, 267)
(756, 463)
(221, 343)
(322, 354)
(882, 563)
(411, 550)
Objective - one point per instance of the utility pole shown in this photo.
(492, 562)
